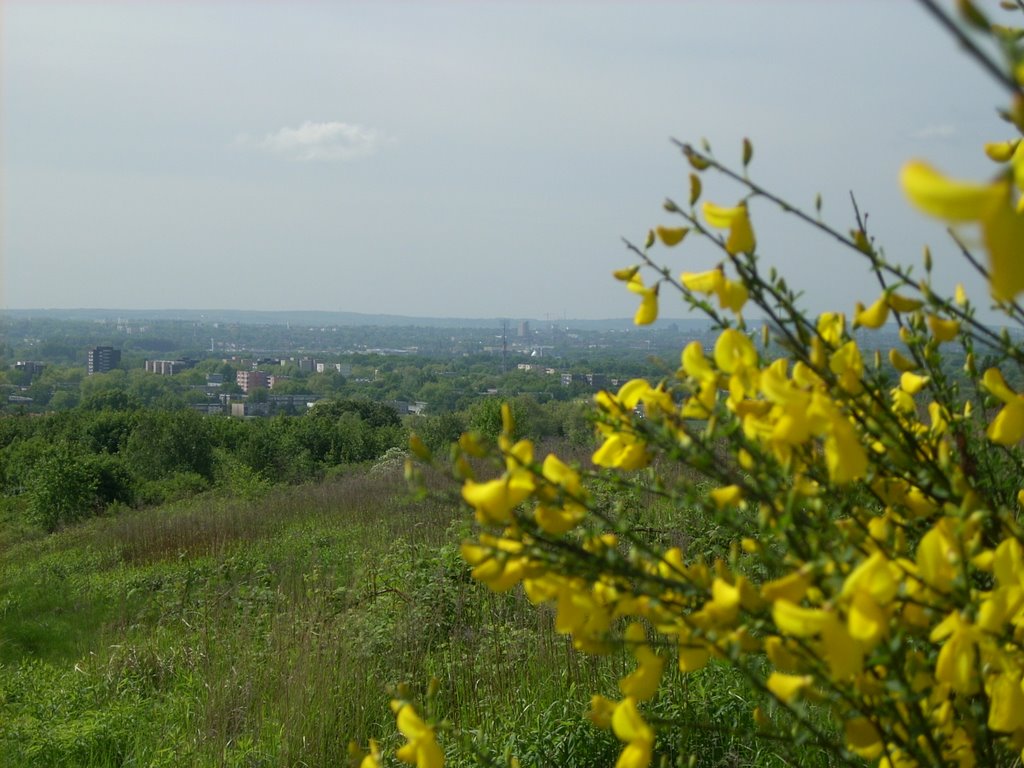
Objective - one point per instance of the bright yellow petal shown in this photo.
(787, 687)
(1007, 428)
(734, 350)
(955, 665)
(628, 723)
(1006, 709)
(795, 621)
(866, 621)
(647, 312)
(874, 316)
(994, 382)
(945, 198)
(727, 496)
(741, 234)
(903, 303)
(831, 326)
(694, 362)
(900, 362)
(643, 682)
(873, 577)
(720, 217)
(912, 383)
(409, 723)
(943, 329)
(845, 457)
(601, 711)
(703, 282)
(844, 654)
(1003, 233)
(863, 738)
(733, 295)
(791, 587)
(692, 658)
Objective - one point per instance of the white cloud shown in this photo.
(933, 131)
(330, 142)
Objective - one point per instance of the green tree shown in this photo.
(62, 487)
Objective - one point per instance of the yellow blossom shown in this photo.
(900, 362)
(727, 496)
(495, 499)
(647, 312)
(642, 683)
(900, 303)
(795, 621)
(791, 587)
(945, 198)
(734, 351)
(421, 749)
(874, 316)
(874, 577)
(737, 221)
(373, 758)
(863, 738)
(911, 383)
(938, 554)
(990, 205)
(845, 457)
(601, 711)
(943, 329)
(630, 727)
(732, 294)
(787, 687)
(695, 364)
(1007, 428)
(831, 326)
(955, 665)
(1006, 708)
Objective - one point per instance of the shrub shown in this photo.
(871, 596)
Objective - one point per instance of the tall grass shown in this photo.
(267, 632)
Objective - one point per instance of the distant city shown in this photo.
(258, 363)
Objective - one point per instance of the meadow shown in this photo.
(272, 630)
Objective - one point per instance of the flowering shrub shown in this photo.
(877, 572)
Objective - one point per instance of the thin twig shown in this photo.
(972, 49)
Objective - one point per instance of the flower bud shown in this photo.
(695, 189)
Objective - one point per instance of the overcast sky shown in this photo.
(470, 159)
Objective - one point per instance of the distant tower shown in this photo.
(504, 346)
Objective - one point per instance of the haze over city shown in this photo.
(451, 159)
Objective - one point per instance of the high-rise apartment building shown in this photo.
(103, 359)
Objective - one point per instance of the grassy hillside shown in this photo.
(267, 633)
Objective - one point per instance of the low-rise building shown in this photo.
(250, 380)
(31, 367)
(166, 367)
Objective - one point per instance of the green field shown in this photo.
(269, 632)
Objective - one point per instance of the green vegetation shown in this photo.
(232, 632)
